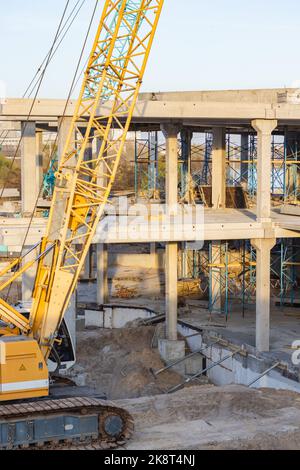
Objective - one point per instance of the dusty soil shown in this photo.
(118, 362)
(209, 417)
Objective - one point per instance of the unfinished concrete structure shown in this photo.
(254, 114)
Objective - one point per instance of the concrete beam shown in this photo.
(263, 291)
(241, 105)
(264, 129)
(219, 168)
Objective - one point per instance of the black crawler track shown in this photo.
(79, 405)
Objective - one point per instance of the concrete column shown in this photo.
(28, 277)
(64, 124)
(264, 129)
(39, 157)
(171, 290)
(29, 182)
(244, 158)
(263, 291)
(102, 274)
(170, 132)
(171, 266)
(219, 168)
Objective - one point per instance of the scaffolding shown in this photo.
(149, 164)
(225, 271)
(292, 167)
(289, 268)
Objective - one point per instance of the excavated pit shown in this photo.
(118, 362)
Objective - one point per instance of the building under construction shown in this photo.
(215, 294)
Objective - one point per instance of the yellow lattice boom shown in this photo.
(83, 182)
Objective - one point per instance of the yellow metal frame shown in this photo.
(84, 183)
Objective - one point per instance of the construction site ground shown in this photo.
(216, 418)
(119, 362)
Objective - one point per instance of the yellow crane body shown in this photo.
(23, 370)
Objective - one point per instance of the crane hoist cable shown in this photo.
(35, 96)
(63, 116)
(49, 179)
(32, 86)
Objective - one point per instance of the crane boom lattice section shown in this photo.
(84, 180)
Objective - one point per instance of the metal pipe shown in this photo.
(169, 366)
(264, 373)
(177, 387)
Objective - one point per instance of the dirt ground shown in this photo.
(209, 417)
(118, 362)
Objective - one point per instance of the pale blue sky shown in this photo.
(200, 45)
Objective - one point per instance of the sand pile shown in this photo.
(118, 362)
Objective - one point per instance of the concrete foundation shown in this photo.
(115, 316)
(171, 351)
(194, 364)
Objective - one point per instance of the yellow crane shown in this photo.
(106, 103)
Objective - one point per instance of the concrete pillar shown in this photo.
(29, 182)
(64, 124)
(244, 158)
(171, 290)
(170, 132)
(39, 157)
(28, 277)
(102, 274)
(219, 168)
(263, 291)
(264, 129)
(171, 266)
